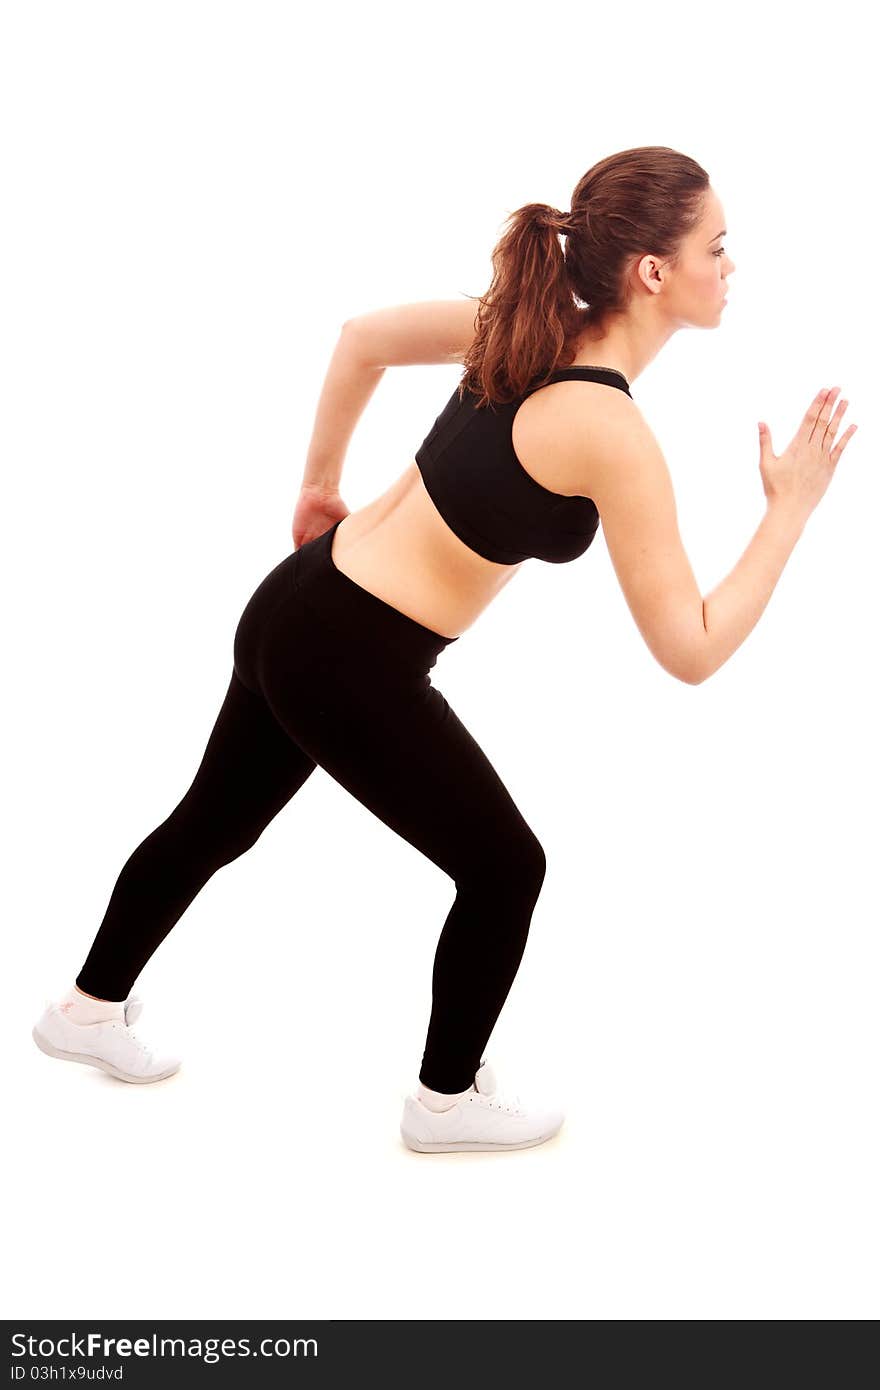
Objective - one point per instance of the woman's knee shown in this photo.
(531, 863)
(513, 867)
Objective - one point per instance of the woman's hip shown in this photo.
(358, 616)
(306, 614)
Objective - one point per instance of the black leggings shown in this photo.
(326, 673)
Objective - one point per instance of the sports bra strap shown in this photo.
(595, 371)
(607, 376)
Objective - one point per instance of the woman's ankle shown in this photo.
(100, 999)
(438, 1101)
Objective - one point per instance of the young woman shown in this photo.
(333, 652)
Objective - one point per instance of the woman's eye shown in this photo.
(721, 252)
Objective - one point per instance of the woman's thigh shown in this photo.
(248, 772)
(403, 752)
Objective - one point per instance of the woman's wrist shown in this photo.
(787, 514)
(321, 489)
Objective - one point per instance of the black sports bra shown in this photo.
(483, 492)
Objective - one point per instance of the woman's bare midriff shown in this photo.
(400, 549)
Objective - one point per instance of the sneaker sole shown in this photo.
(52, 1051)
(475, 1145)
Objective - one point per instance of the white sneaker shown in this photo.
(113, 1045)
(482, 1119)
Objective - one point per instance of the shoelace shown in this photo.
(500, 1101)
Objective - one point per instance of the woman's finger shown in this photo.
(811, 414)
(824, 411)
(844, 440)
(834, 423)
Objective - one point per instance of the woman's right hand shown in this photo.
(798, 477)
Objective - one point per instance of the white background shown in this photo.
(196, 196)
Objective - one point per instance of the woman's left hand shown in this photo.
(317, 509)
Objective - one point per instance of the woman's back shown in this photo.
(437, 570)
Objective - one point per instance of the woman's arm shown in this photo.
(690, 636)
(627, 477)
(434, 331)
(348, 386)
(734, 606)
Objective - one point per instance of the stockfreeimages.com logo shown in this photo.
(94, 1346)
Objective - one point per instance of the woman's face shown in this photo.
(693, 290)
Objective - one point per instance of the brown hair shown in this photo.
(647, 198)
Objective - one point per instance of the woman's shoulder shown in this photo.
(568, 426)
